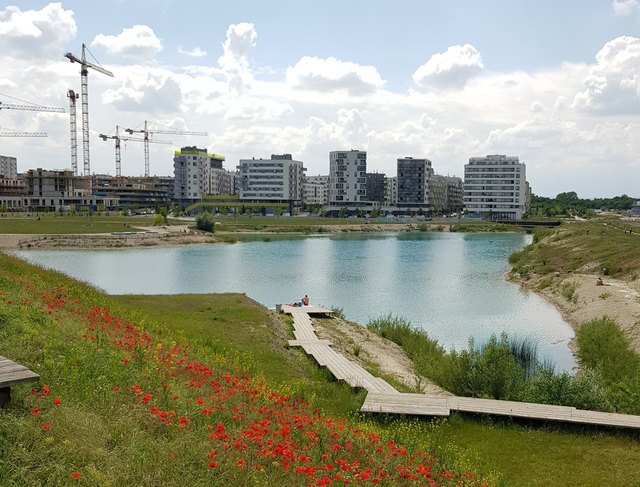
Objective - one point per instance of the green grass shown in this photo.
(575, 246)
(68, 224)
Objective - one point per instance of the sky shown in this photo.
(556, 83)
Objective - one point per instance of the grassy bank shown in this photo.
(198, 389)
(583, 246)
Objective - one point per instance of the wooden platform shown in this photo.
(422, 404)
(11, 374)
(309, 310)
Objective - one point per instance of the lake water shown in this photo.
(450, 284)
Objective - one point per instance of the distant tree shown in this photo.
(205, 222)
(343, 212)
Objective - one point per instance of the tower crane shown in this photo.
(146, 131)
(73, 96)
(31, 108)
(84, 90)
(117, 137)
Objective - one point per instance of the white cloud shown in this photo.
(613, 83)
(327, 75)
(195, 52)
(137, 42)
(38, 33)
(450, 69)
(157, 93)
(235, 60)
(622, 8)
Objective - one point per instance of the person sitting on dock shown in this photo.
(305, 300)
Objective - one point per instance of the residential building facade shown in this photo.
(192, 172)
(8, 167)
(391, 193)
(376, 187)
(278, 179)
(316, 190)
(413, 183)
(495, 188)
(347, 178)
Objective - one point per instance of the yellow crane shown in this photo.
(165, 131)
(84, 91)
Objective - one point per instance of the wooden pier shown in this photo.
(383, 398)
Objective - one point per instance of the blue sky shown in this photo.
(556, 83)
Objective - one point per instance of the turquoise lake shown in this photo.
(450, 284)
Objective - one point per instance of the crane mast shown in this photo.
(84, 99)
(73, 96)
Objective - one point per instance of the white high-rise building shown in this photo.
(279, 179)
(347, 178)
(495, 188)
(192, 171)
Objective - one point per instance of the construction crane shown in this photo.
(146, 131)
(84, 90)
(73, 96)
(31, 108)
(117, 137)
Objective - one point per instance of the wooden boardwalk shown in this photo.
(383, 398)
(340, 366)
(422, 404)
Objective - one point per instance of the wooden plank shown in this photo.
(299, 343)
(418, 404)
(12, 367)
(510, 408)
(607, 419)
(19, 377)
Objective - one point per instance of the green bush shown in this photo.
(603, 346)
(582, 391)
(205, 222)
(490, 371)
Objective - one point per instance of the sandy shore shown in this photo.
(617, 299)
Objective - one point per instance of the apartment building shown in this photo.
(376, 187)
(445, 194)
(8, 167)
(495, 188)
(316, 190)
(192, 172)
(391, 192)
(278, 179)
(347, 178)
(413, 183)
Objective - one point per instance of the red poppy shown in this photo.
(75, 475)
(57, 401)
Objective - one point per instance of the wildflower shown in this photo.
(57, 401)
(213, 464)
(35, 411)
(240, 463)
(75, 475)
(46, 426)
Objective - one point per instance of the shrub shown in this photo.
(205, 222)
(583, 391)
(569, 292)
